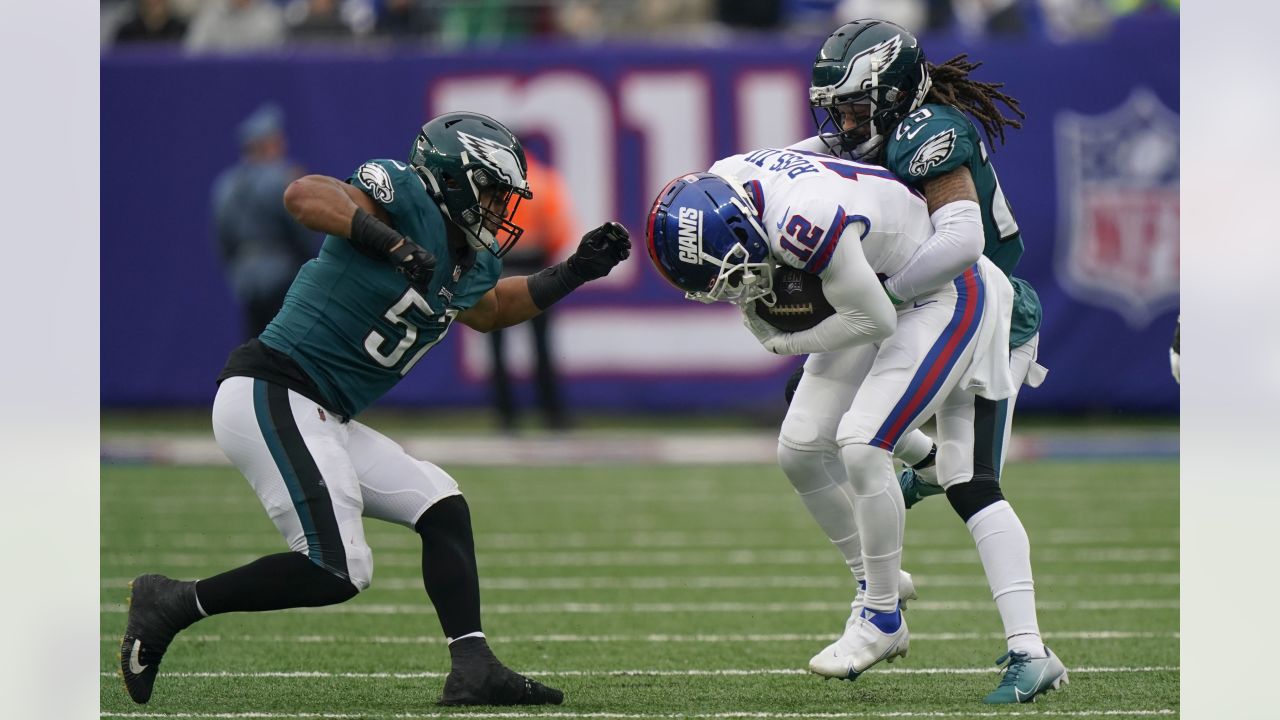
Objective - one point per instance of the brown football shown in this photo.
(800, 305)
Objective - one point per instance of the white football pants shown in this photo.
(316, 476)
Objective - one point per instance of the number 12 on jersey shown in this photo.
(397, 315)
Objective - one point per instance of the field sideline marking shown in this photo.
(637, 716)
(648, 672)
(654, 638)
(740, 582)
(710, 607)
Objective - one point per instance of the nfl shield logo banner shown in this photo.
(1118, 207)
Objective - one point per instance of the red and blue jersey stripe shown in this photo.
(940, 360)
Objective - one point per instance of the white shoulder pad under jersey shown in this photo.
(812, 204)
(814, 144)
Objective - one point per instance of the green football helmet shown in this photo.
(873, 73)
(476, 172)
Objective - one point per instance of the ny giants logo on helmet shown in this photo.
(690, 237)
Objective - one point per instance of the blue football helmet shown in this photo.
(704, 237)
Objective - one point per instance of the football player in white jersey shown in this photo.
(875, 372)
(875, 99)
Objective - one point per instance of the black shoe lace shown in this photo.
(1014, 663)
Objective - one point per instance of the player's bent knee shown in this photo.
(870, 468)
(968, 498)
(360, 567)
(804, 466)
(326, 585)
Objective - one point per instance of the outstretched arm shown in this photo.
(516, 299)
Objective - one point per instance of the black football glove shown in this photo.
(415, 262)
(600, 250)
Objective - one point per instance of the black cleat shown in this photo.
(496, 684)
(479, 678)
(159, 607)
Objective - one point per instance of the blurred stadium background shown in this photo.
(619, 97)
(648, 91)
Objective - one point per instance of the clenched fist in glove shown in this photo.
(600, 250)
(414, 261)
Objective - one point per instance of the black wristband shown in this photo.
(550, 285)
(371, 233)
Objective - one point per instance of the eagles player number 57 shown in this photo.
(396, 314)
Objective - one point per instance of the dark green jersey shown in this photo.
(937, 139)
(352, 322)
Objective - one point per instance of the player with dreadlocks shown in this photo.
(876, 100)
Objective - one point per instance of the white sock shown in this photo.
(476, 634)
(881, 517)
(913, 447)
(1006, 557)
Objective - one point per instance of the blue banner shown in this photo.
(1092, 178)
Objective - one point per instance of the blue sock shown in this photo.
(887, 622)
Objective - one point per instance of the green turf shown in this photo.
(673, 573)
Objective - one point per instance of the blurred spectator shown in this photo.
(260, 244)
(596, 20)
(548, 228)
(230, 25)
(319, 20)
(407, 19)
(990, 17)
(152, 20)
(910, 14)
(489, 22)
(750, 14)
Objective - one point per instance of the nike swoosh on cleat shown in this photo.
(922, 304)
(1018, 694)
(135, 666)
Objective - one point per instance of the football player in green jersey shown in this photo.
(876, 99)
(410, 248)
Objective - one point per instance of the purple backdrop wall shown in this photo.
(1099, 118)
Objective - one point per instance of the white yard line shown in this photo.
(566, 540)
(707, 639)
(708, 607)
(675, 558)
(924, 582)
(727, 715)
(647, 672)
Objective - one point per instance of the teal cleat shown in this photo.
(915, 487)
(1026, 677)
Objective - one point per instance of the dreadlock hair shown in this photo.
(952, 86)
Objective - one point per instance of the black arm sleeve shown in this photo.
(372, 234)
(552, 284)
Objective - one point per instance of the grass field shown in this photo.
(647, 591)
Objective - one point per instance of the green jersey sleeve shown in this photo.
(933, 140)
(399, 190)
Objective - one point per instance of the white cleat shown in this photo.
(906, 591)
(861, 646)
